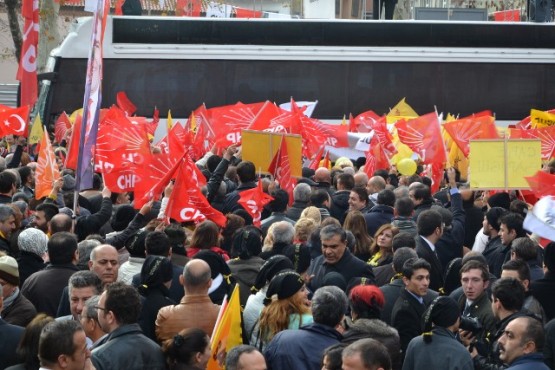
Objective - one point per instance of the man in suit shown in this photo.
(9, 339)
(407, 312)
(430, 228)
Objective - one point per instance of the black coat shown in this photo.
(231, 199)
(436, 274)
(379, 215)
(294, 212)
(20, 312)
(28, 263)
(406, 317)
(391, 293)
(349, 266)
(9, 339)
(543, 290)
(450, 245)
(339, 204)
(152, 301)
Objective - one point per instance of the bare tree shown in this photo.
(12, 7)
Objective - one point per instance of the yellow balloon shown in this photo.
(406, 166)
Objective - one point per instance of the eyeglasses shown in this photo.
(100, 308)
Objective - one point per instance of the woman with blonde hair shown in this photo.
(354, 222)
(382, 247)
(312, 213)
(286, 307)
(304, 227)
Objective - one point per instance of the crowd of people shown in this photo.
(351, 273)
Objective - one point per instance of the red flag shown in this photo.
(187, 203)
(466, 129)
(253, 201)
(384, 137)
(423, 136)
(47, 169)
(526, 123)
(13, 121)
(247, 13)
(125, 104)
(376, 158)
(153, 177)
(121, 147)
(27, 71)
(352, 124)
(281, 169)
(119, 7)
(315, 163)
(61, 127)
(542, 184)
(545, 134)
(73, 147)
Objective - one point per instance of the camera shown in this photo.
(471, 324)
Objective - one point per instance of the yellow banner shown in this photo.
(259, 147)
(503, 164)
(541, 119)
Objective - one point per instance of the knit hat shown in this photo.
(493, 216)
(122, 217)
(246, 243)
(334, 278)
(135, 244)
(300, 256)
(156, 271)
(502, 200)
(271, 268)
(33, 240)
(283, 285)
(443, 312)
(9, 270)
(215, 261)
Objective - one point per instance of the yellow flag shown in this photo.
(541, 119)
(344, 122)
(227, 333)
(169, 121)
(36, 131)
(401, 111)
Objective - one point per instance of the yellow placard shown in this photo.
(260, 147)
(487, 164)
(541, 119)
(523, 159)
(503, 164)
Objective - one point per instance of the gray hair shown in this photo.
(90, 307)
(401, 192)
(372, 353)
(5, 212)
(84, 279)
(302, 192)
(283, 232)
(330, 231)
(329, 305)
(2, 164)
(233, 356)
(85, 248)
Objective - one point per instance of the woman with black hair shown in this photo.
(156, 277)
(188, 350)
(222, 280)
(245, 263)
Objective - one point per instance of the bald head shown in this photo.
(60, 222)
(196, 277)
(361, 179)
(322, 174)
(375, 185)
(105, 263)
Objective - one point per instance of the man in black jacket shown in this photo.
(247, 180)
(336, 257)
(430, 228)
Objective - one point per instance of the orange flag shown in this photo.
(47, 169)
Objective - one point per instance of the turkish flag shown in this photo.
(47, 169)
(423, 136)
(13, 121)
(364, 122)
(253, 201)
(187, 203)
(466, 129)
